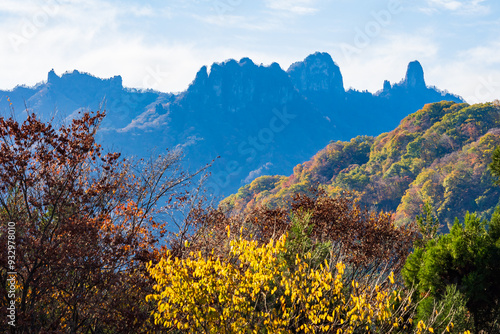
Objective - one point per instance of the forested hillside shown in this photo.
(438, 155)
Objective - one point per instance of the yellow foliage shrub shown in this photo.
(253, 291)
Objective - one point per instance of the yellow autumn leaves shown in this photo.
(253, 291)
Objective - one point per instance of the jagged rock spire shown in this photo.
(414, 75)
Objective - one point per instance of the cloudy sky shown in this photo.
(161, 44)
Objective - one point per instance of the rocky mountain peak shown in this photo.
(202, 75)
(76, 78)
(387, 85)
(235, 82)
(317, 73)
(414, 75)
(52, 77)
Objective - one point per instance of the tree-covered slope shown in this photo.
(439, 154)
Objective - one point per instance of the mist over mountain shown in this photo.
(258, 119)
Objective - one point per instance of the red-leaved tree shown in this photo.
(84, 227)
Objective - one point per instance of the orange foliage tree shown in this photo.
(84, 227)
(365, 241)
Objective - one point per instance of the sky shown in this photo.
(161, 44)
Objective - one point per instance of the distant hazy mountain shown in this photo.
(258, 119)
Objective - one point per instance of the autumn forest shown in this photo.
(398, 233)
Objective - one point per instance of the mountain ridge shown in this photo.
(256, 118)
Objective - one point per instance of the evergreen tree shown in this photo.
(468, 257)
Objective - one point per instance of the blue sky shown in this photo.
(162, 44)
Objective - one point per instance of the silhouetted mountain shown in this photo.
(63, 97)
(258, 119)
(251, 116)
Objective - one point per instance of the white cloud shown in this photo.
(481, 66)
(446, 4)
(458, 6)
(298, 7)
(239, 22)
(162, 47)
(474, 83)
(89, 36)
(484, 55)
(13, 7)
